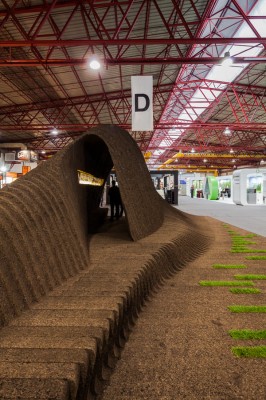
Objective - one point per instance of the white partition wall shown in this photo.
(249, 187)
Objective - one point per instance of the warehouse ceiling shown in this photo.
(209, 108)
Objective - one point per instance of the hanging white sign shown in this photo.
(142, 103)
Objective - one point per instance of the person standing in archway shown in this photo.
(115, 200)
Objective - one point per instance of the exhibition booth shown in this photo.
(249, 187)
(225, 186)
(198, 184)
(244, 187)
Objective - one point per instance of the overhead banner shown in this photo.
(142, 103)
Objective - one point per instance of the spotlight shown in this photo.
(94, 64)
(227, 131)
(227, 61)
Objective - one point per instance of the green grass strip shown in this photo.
(229, 266)
(226, 283)
(245, 291)
(256, 258)
(240, 238)
(248, 351)
(250, 235)
(240, 250)
(247, 334)
(242, 242)
(247, 309)
(239, 245)
(250, 276)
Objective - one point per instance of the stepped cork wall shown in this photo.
(68, 303)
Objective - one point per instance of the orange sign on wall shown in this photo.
(25, 170)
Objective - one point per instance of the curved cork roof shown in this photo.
(46, 214)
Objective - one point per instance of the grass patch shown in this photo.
(247, 334)
(245, 291)
(240, 250)
(239, 244)
(256, 258)
(247, 309)
(248, 351)
(250, 235)
(250, 276)
(242, 242)
(226, 283)
(229, 266)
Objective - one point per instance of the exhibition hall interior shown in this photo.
(132, 199)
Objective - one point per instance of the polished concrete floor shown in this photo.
(251, 218)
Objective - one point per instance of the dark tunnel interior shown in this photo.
(97, 162)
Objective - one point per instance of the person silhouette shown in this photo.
(192, 191)
(115, 201)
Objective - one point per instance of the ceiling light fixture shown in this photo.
(205, 160)
(231, 151)
(227, 61)
(192, 151)
(94, 63)
(54, 131)
(227, 131)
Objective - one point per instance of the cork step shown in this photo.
(34, 389)
(34, 355)
(45, 371)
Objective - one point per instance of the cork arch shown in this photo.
(45, 215)
(97, 152)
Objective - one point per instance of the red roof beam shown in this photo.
(261, 127)
(65, 4)
(126, 61)
(130, 42)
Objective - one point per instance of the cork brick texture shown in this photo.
(69, 298)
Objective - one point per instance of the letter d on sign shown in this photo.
(142, 103)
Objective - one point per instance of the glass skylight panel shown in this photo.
(225, 73)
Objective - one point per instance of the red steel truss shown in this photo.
(48, 45)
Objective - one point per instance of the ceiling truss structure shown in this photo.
(45, 82)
